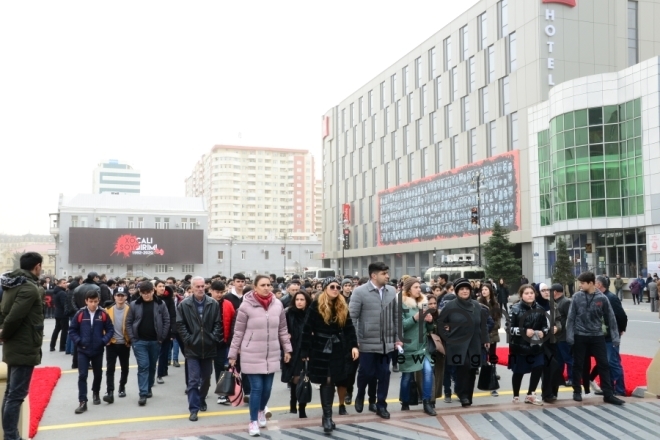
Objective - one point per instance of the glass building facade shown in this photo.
(590, 164)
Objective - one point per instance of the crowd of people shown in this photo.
(346, 334)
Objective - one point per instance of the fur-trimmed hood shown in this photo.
(16, 278)
(411, 303)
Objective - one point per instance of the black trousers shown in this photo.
(465, 376)
(595, 346)
(61, 325)
(114, 352)
(375, 367)
(551, 374)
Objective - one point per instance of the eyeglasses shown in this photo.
(334, 287)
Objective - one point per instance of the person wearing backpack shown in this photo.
(90, 331)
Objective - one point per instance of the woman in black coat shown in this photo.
(463, 328)
(295, 321)
(503, 295)
(528, 327)
(330, 343)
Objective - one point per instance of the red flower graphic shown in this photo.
(125, 245)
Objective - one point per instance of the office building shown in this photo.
(402, 155)
(116, 178)
(257, 193)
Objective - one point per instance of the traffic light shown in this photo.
(347, 241)
(474, 218)
(283, 250)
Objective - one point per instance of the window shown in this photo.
(406, 139)
(434, 128)
(371, 205)
(186, 268)
(418, 72)
(112, 222)
(419, 136)
(399, 172)
(387, 176)
(221, 255)
(502, 18)
(633, 53)
(382, 98)
(398, 114)
(364, 236)
(166, 223)
(454, 152)
(74, 221)
(374, 128)
(360, 108)
(266, 255)
(393, 87)
(438, 157)
(482, 30)
(483, 104)
(140, 222)
(406, 83)
(343, 119)
(395, 153)
(449, 121)
(382, 150)
(432, 65)
(410, 109)
(193, 223)
(243, 255)
(364, 133)
(504, 96)
(465, 105)
(423, 100)
(161, 268)
(411, 170)
(471, 75)
(386, 116)
(490, 64)
(492, 139)
(103, 222)
(184, 223)
(463, 42)
(512, 53)
(438, 92)
(370, 104)
(472, 140)
(157, 223)
(352, 114)
(425, 163)
(447, 49)
(288, 255)
(83, 222)
(454, 83)
(513, 131)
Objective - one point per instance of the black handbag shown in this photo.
(226, 384)
(413, 398)
(304, 387)
(488, 378)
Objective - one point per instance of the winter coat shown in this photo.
(111, 315)
(524, 317)
(653, 289)
(200, 335)
(618, 283)
(258, 335)
(21, 318)
(502, 294)
(91, 340)
(619, 314)
(168, 298)
(466, 334)
(161, 319)
(556, 316)
(295, 319)
(637, 286)
(106, 293)
(495, 315)
(376, 320)
(81, 291)
(414, 336)
(227, 316)
(328, 347)
(59, 302)
(563, 304)
(587, 314)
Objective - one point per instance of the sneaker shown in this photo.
(222, 400)
(253, 429)
(261, 418)
(494, 393)
(160, 380)
(246, 398)
(533, 399)
(267, 412)
(516, 399)
(447, 398)
(588, 395)
(596, 388)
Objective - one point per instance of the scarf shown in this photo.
(264, 300)
(465, 304)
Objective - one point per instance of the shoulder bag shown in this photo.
(304, 387)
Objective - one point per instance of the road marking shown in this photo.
(649, 322)
(213, 414)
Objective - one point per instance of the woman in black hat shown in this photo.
(463, 328)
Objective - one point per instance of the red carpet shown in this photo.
(634, 368)
(42, 385)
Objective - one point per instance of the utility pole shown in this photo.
(477, 179)
(284, 252)
(231, 245)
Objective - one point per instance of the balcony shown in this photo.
(54, 230)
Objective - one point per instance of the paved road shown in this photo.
(167, 410)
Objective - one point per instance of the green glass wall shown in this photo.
(590, 164)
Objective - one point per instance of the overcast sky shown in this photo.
(157, 83)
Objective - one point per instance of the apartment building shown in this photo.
(116, 178)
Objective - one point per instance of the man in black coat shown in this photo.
(61, 320)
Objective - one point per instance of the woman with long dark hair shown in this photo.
(295, 321)
(503, 295)
(330, 343)
(438, 357)
(488, 299)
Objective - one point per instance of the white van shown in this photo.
(456, 266)
(318, 273)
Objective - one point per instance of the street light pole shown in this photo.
(284, 272)
(477, 179)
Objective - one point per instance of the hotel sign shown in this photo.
(550, 32)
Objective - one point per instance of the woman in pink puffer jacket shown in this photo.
(260, 333)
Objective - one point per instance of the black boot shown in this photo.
(301, 411)
(428, 409)
(327, 396)
(293, 400)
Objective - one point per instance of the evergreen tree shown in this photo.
(500, 258)
(563, 273)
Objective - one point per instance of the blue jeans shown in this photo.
(564, 358)
(146, 356)
(199, 372)
(18, 383)
(450, 374)
(616, 371)
(261, 385)
(174, 354)
(427, 382)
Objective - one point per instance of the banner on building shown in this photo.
(439, 207)
(136, 246)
